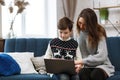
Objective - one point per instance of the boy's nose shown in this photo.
(62, 35)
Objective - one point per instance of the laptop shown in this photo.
(57, 66)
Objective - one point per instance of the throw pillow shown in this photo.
(39, 64)
(8, 66)
(24, 60)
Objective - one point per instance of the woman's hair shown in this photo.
(95, 31)
(65, 23)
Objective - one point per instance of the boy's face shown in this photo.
(64, 34)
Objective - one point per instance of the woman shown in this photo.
(92, 43)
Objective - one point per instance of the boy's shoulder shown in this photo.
(58, 40)
(73, 40)
(54, 40)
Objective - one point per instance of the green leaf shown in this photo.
(104, 13)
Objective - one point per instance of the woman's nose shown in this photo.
(81, 26)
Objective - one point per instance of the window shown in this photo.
(38, 19)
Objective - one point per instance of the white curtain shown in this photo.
(69, 7)
(66, 8)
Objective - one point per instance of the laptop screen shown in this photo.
(60, 66)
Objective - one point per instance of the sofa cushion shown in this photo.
(39, 64)
(24, 60)
(115, 77)
(8, 66)
(117, 73)
(27, 77)
(113, 46)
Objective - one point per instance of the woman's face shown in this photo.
(81, 23)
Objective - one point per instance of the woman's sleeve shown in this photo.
(48, 53)
(100, 57)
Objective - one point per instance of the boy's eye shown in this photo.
(61, 32)
(65, 32)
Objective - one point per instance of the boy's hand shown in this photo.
(78, 66)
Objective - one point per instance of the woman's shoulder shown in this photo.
(102, 38)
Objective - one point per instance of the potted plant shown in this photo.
(104, 13)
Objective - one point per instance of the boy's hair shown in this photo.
(65, 23)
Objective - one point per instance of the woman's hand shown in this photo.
(78, 66)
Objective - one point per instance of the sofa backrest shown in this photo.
(39, 46)
(113, 45)
(36, 45)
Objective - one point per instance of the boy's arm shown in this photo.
(48, 53)
(78, 54)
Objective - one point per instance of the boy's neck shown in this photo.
(65, 40)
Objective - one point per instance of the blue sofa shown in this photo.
(39, 46)
(113, 45)
(36, 45)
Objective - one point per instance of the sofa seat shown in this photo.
(113, 46)
(115, 77)
(26, 77)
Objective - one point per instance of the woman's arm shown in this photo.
(100, 57)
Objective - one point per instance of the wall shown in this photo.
(114, 15)
(0, 23)
(60, 12)
(81, 4)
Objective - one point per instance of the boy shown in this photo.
(64, 47)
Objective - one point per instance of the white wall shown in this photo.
(81, 4)
(114, 15)
(0, 23)
(60, 12)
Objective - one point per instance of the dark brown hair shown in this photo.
(95, 31)
(65, 23)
